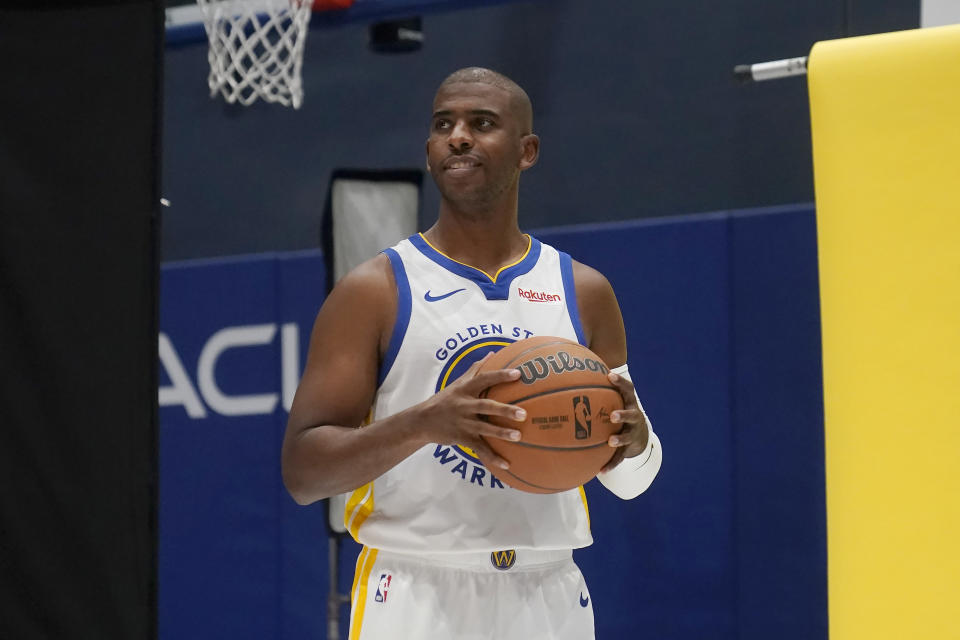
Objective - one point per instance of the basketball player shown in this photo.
(449, 551)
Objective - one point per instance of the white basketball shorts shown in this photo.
(504, 595)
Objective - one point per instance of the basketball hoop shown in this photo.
(256, 49)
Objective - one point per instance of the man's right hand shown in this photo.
(454, 415)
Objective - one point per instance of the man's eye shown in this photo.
(441, 124)
(485, 123)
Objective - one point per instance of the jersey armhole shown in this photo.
(570, 291)
(402, 320)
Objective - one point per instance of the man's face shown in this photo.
(476, 147)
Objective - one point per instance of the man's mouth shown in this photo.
(460, 164)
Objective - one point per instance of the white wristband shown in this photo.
(632, 476)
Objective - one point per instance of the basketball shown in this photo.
(564, 389)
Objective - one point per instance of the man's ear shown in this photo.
(531, 151)
(426, 150)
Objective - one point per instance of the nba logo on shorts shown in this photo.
(581, 412)
(382, 588)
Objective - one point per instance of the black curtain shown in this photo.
(79, 206)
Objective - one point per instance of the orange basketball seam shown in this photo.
(561, 390)
(551, 448)
(555, 489)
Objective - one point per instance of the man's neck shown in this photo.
(485, 240)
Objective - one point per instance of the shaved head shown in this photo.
(519, 100)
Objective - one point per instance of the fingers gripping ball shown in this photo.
(564, 388)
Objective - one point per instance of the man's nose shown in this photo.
(460, 138)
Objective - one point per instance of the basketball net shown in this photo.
(256, 49)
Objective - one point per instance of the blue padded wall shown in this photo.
(778, 413)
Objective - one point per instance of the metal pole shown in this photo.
(334, 599)
(335, 529)
(771, 70)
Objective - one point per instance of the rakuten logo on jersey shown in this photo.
(539, 296)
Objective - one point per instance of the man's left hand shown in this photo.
(632, 439)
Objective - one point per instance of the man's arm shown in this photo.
(325, 450)
(605, 335)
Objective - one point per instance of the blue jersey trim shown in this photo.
(404, 305)
(498, 289)
(570, 290)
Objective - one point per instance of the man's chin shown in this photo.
(467, 197)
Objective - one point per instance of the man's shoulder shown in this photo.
(589, 281)
(600, 314)
(370, 278)
(362, 304)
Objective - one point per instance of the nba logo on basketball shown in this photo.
(581, 412)
(382, 588)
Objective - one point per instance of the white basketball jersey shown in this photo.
(449, 315)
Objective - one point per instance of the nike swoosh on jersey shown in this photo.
(430, 298)
(584, 601)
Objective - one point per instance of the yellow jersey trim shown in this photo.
(358, 508)
(583, 496)
(494, 277)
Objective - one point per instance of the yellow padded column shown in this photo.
(885, 113)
